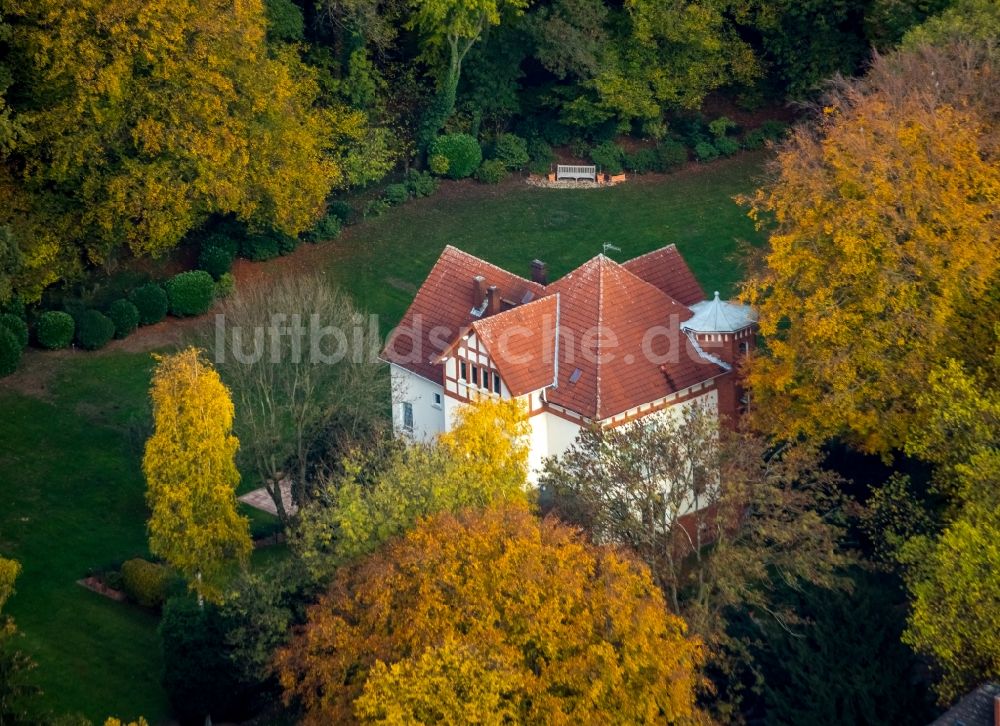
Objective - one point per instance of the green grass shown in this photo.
(71, 489)
(510, 227)
(72, 502)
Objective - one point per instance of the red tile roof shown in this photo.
(443, 308)
(620, 343)
(667, 270)
(521, 342)
(623, 335)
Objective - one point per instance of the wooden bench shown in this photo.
(568, 171)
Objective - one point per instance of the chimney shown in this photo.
(539, 272)
(478, 290)
(493, 295)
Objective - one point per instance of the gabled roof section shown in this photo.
(522, 343)
(720, 316)
(607, 315)
(666, 269)
(443, 308)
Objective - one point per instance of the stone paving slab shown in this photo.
(260, 499)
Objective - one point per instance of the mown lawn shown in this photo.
(71, 489)
(513, 224)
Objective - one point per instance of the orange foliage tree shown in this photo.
(883, 251)
(492, 617)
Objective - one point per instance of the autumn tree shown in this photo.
(17, 691)
(492, 617)
(300, 362)
(723, 520)
(141, 119)
(482, 459)
(449, 29)
(191, 473)
(882, 250)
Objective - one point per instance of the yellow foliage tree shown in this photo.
(9, 570)
(191, 473)
(481, 460)
(883, 249)
(492, 617)
(142, 118)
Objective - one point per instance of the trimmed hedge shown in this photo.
(462, 151)
(420, 183)
(190, 293)
(215, 261)
(93, 330)
(151, 302)
(10, 352)
(125, 316)
(259, 247)
(705, 151)
(55, 329)
(512, 151)
(492, 171)
(396, 194)
(225, 286)
(17, 326)
(608, 156)
(145, 582)
(641, 162)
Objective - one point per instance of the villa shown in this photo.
(606, 344)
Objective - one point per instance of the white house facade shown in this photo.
(606, 344)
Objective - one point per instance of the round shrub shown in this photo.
(190, 293)
(328, 227)
(539, 151)
(225, 286)
(727, 146)
(286, 243)
(342, 210)
(721, 126)
(396, 194)
(376, 208)
(462, 152)
(145, 582)
(641, 162)
(151, 302)
(492, 171)
(17, 326)
(54, 329)
(755, 139)
(438, 164)
(705, 151)
(93, 330)
(608, 156)
(512, 151)
(420, 183)
(259, 247)
(670, 154)
(221, 241)
(10, 352)
(125, 316)
(215, 261)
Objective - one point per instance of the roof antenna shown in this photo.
(609, 246)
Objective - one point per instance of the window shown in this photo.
(744, 348)
(408, 417)
(475, 376)
(496, 383)
(437, 400)
(463, 373)
(486, 379)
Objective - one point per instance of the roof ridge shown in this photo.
(600, 337)
(647, 283)
(488, 264)
(651, 252)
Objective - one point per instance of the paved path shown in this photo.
(260, 499)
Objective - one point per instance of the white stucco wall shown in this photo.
(428, 418)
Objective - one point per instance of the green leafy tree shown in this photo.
(962, 20)
(481, 460)
(449, 29)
